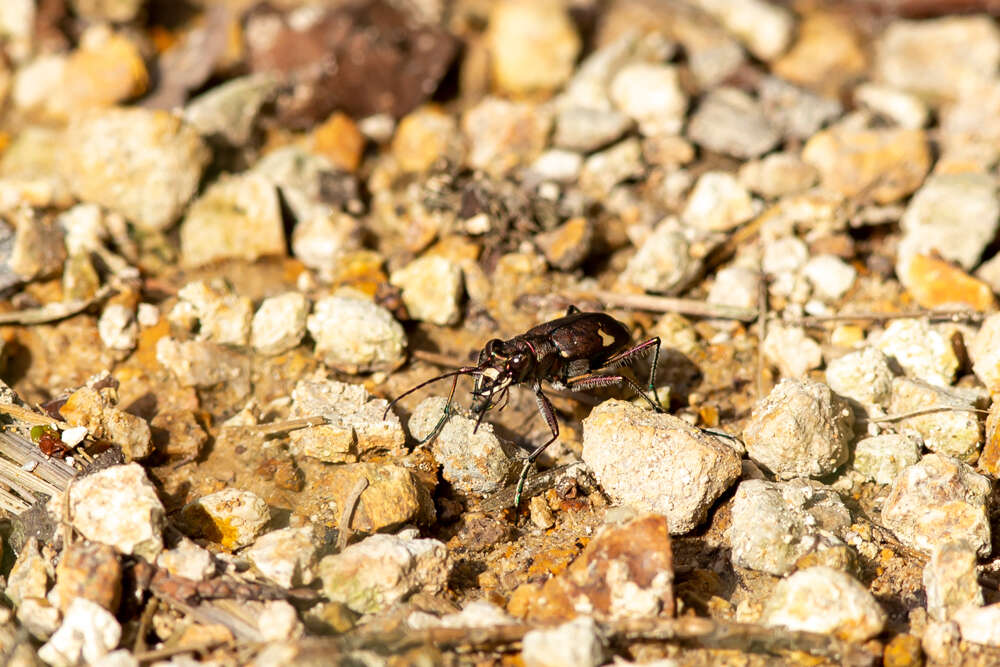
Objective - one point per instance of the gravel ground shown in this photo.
(247, 250)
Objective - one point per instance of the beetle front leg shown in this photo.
(545, 407)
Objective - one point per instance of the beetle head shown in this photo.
(501, 364)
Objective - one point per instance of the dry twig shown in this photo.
(666, 304)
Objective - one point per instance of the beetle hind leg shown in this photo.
(634, 352)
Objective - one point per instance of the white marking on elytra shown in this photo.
(606, 339)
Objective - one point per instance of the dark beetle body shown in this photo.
(568, 352)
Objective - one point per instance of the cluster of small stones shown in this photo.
(602, 145)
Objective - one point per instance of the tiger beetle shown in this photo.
(568, 353)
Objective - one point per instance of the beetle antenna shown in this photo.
(467, 370)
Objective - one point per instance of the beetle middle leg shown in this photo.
(625, 356)
(545, 407)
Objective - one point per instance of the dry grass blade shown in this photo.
(20, 450)
(666, 304)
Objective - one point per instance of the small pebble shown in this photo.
(980, 625)
(475, 614)
(236, 217)
(88, 570)
(424, 137)
(922, 352)
(354, 423)
(952, 215)
(279, 323)
(322, 236)
(777, 174)
(830, 276)
(584, 130)
(556, 165)
(29, 576)
(735, 286)
(88, 632)
(147, 315)
(764, 27)
(96, 411)
(985, 353)
(381, 570)
(578, 643)
(663, 262)
(939, 499)
(392, 495)
(503, 135)
(200, 363)
(137, 531)
(718, 203)
(951, 580)
(864, 376)
(730, 121)
(940, 641)
(533, 46)
(541, 515)
(187, 560)
(797, 112)
(883, 165)
(966, 54)
(279, 622)
(219, 314)
(627, 447)
(904, 109)
(827, 601)
(604, 170)
(883, 457)
(229, 111)
(143, 164)
(792, 351)
(230, 518)
(477, 463)
(651, 95)
(432, 289)
(354, 335)
(801, 429)
(567, 245)
(775, 524)
(286, 556)
(956, 432)
(937, 283)
(40, 618)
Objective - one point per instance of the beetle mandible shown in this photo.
(568, 352)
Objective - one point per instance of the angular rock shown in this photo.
(143, 164)
(279, 323)
(391, 495)
(117, 327)
(765, 28)
(903, 108)
(503, 135)
(939, 499)
(937, 283)
(980, 625)
(629, 448)
(200, 363)
(984, 351)
(585, 130)
(718, 203)
(824, 600)
(956, 432)
(432, 289)
(883, 457)
(354, 423)
(663, 263)
(382, 569)
(137, 531)
(354, 335)
(230, 518)
(424, 137)
(864, 376)
(800, 429)
(29, 576)
(777, 174)
(830, 276)
(730, 121)
(567, 245)
(534, 46)
(88, 632)
(215, 311)
(97, 412)
(735, 286)
(604, 170)
(951, 579)
(287, 556)
(477, 463)
(651, 95)
(91, 571)
(626, 571)
(230, 110)
(798, 112)
(187, 560)
(576, 643)
(237, 217)
(775, 524)
(792, 351)
(921, 351)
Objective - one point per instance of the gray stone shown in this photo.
(954, 430)
(117, 327)
(503, 134)
(899, 106)
(984, 351)
(936, 500)
(827, 601)
(797, 112)
(584, 130)
(801, 429)
(778, 174)
(663, 262)
(354, 335)
(380, 570)
(556, 165)
(237, 217)
(578, 643)
(775, 524)
(735, 286)
(730, 121)
(200, 363)
(137, 531)
(279, 323)
(864, 376)
(229, 111)
(883, 457)
(657, 462)
(478, 463)
(604, 170)
(921, 351)
(718, 203)
(143, 164)
(953, 215)
(951, 579)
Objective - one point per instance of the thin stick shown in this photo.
(52, 312)
(139, 646)
(348, 514)
(956, 315)
(762, 308)
(927, 411)
(282, 427)
(665, 304)
(30, 416)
